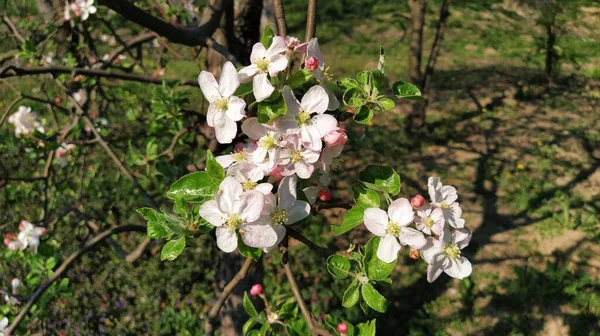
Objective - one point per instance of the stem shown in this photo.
(311, 18)
(280, 18)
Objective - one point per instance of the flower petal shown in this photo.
(433, 272)
(235, 108)
(259, 234)
(388, 248)
(229, 80)
(278, 46)
(462, 237)
(258, 52)
(293, 105)
(209, 86)
(247, 73)
(225, 128)
(303, 169)
(278, 64)
(315, 100)
(401, 212)
(250, 205)
(230, 190)
(297, 212)
(431, 250)
(326, 123)
(460, 268)
(334, 103)
(286, 193)
(376, 220)
(227, 240)
(411, 237)
(261, 87)
(311, 137)
(314, 50)
(434, 185)
(211, 213)
(252, 128)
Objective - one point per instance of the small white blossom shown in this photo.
(25, 121)
(29, 236)
(443, 255)
(430, 219)
(313, 50)
(445, 197)
(265, 62)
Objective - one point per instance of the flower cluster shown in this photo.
(438, 233)
(28, 236)
(80, 8)
(25, 121)
(302, 143)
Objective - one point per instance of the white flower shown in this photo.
(86, 7)
(269, 142)
(443, 255)
(248, 174)
(237, 210)
(29, 236)
(393, 227)
(430, 219)
(302, 160)
(62, 152)
(25, 121)
(225, 109)
(3, 325)
(265, 62)
(445, 197)
(80, 96)
(298, 117)
(15, 284)
(313, 50)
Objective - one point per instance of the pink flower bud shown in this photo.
(417, 201)
(256, 290)
(57, 101)
(337, 137)
(324, 194)
(43, 231)
(414, 254)
(238, 147)
(312, 63)
(342, 328)
(276, 173)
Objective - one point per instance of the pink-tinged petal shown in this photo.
(259, 234)
(229, 80)
(314, 50)
(278, 64)
(211, 114)
(376, 220)
(230, 191)
(225, 160)
(328, 154)
(227, 240)
(298, 212)
(434, 185)
(460, 268)
(281, 231)
(301, 48)
(209, 86)
(315, 100)
(270, 204)
(250, 205)
(433, 272)
(235, 108)
(225, 128)
(253, 129)
(411, 237)
(401, 212)
(303, 169)
(326, 123)
(259, 154)
(388, 249)
(286, 193)
(311, 193)
(278, 46)
(211, 213)
(261, 87)
(293, 105)
(462, 237)
(453, 215)
(449, 194)
(432, 248)
(286, 124)
(245, 171)
(264, 188)
(247, 73)
(311, 137)
(334, 103)
(258, 52)
(310, 156)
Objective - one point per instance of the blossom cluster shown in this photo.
(80, 8)
(438, 233)
(25, 121)
(28, 236)
(301, 144)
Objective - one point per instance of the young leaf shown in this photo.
(249, 306)
(243, 89)
(172, 249)
(338, 266)
(351, 295)
(383, 177)
(213, 168)
(299, 78)
(376, 269)
(248, 252)
(267, 111)
(197, 186)
(386, 103)
(373, 298)
(155, 222)
(363, 115)
(354, 97)
(364, 197)
(266, 38)
(367, 328)
(352, 219)
(347, 83)
(249, 325)
(406, 90)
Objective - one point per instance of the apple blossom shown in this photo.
(443, 255)
(86, 7)
(313, 50)
(237, 210)
(302, 160)
(269, 142)
(430, 219)
(265, 62)
(25, 121)
(62, 152)
(15, 284)
(445, 197)
(29, 236)
(393, 229)
(225, 109)
(256, 289)
(294, 44)
(248, 174)
(11, 242)
(417, 201)
(237, 156)
(337, 137)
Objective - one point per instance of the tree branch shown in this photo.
(90, 245)
(437, 43)
(13, 29)
(280, 18)
(322, 251)
(311, 18)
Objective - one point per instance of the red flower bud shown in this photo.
(414, 254)
(342, 327)
(256, 290)
(324, 194)
(337, 137)
(57, 101)
(417, 201)
(312, 63)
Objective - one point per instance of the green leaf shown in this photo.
(363, 115)
(247, 251)
(156, 223)
(406, 90)
(249, 325)
(197, 186)
(364, 197)
(266, 38)
(347, 83)
(352, 219)
(172, 249)
(243, 90)
(376, 269)
(354, 97)
(213, 168)
(297, 327)
(386, 103)
(367, 328)
(254, 333)
(383, 177)
(351, 295)
(267, 111)
(249, 306)
(299, 78)
(373, 298)
(338, 266)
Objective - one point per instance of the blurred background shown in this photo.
(512, 120)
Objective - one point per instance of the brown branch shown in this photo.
(280, 18)
(90, 245)
(322, 251)
(437, 45)
(126, 46)
(13, 29)
(169, 151)
(9, 108)
(14, 71)
(311, 18)
(214, 311)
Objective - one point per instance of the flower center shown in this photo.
(249, 185)
(279, 216)
(296, 156)
(221, 104)
(452, 251)
(262, 64)
(444, 205)
(393, 229)
(428, 222)
(303, 118)
(238, 156)
(233, 221)
(267, 142)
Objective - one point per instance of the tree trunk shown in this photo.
(550, 52)
(417, 8)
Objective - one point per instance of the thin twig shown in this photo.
(311, 19)
(13, 29)
(280, 18)
(322, 251)
(90, 245)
